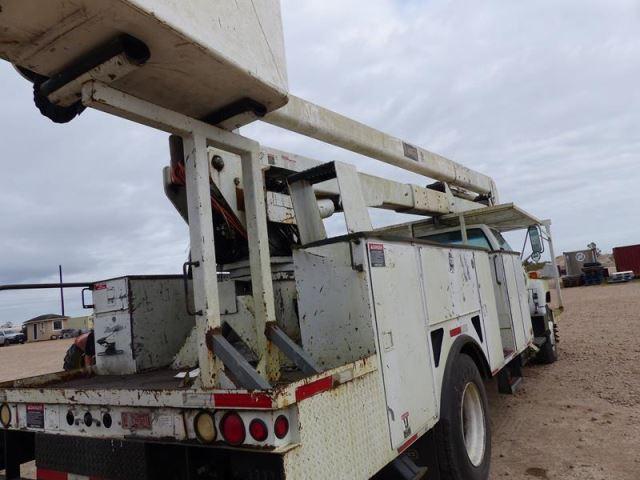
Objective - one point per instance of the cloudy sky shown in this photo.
(543, 96)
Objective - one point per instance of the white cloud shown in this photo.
(540, 95)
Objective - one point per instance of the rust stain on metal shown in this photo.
(209, 336)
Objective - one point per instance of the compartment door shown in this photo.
(403, 344)
(503, 303)
(114, 328)
(520, 293)
(511, 301)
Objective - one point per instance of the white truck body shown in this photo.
(343, 353)
(383, 349)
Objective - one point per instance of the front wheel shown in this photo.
(463, 434)
(549, 350)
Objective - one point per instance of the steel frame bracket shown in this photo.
(197, 137)
(291, 349)
(408, 470)
(305, 206)
(238, 367)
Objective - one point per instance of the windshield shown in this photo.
(475, 236)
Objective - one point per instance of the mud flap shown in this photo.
(138, 460)
(16, 448)
(112, 459)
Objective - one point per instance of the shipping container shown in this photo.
(627, 258)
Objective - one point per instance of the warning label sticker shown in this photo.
(376, 255)
(35, 416)
(410, 151)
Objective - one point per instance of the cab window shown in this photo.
(502, 242)
(475, 236)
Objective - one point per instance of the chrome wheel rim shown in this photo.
(473, 423)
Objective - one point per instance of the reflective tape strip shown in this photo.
(454, 332)
(313, 388)
(242, 400)
(408, 443)
(43, 474)
(51, 475)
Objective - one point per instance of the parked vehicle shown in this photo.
(69, 333)
(14, 336)
(3, 340)
(357, 356)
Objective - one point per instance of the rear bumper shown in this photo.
(75, 458)
(329, 415)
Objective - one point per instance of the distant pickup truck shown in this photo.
(12, 336)
(70, 333)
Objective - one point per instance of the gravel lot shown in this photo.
(30, 359)
(578, 419)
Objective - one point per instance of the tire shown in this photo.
(463, 434)
(548, 353)
(73, 359)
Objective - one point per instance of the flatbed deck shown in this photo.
(163, 379)
(160, 389)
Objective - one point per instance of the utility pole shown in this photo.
(61, 289)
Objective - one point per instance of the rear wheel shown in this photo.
(463, 435)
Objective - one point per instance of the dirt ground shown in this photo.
(30, 359)
(578, 419)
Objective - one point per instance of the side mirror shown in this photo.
(537, 245)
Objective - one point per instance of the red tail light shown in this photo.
(258, 430)
(232, 429)
(281, 427)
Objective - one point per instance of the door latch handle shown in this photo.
(185, 281)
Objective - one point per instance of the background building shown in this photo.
(51, 326)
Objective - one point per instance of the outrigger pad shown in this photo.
(204, 55)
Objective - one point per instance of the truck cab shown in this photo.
(512, 283)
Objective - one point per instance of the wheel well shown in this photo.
(471, 349)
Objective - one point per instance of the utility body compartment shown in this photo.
(408, 301)
(140, 323)
(205, 54)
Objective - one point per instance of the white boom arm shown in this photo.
(311, 120)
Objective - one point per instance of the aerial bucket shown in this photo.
(217, 60)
